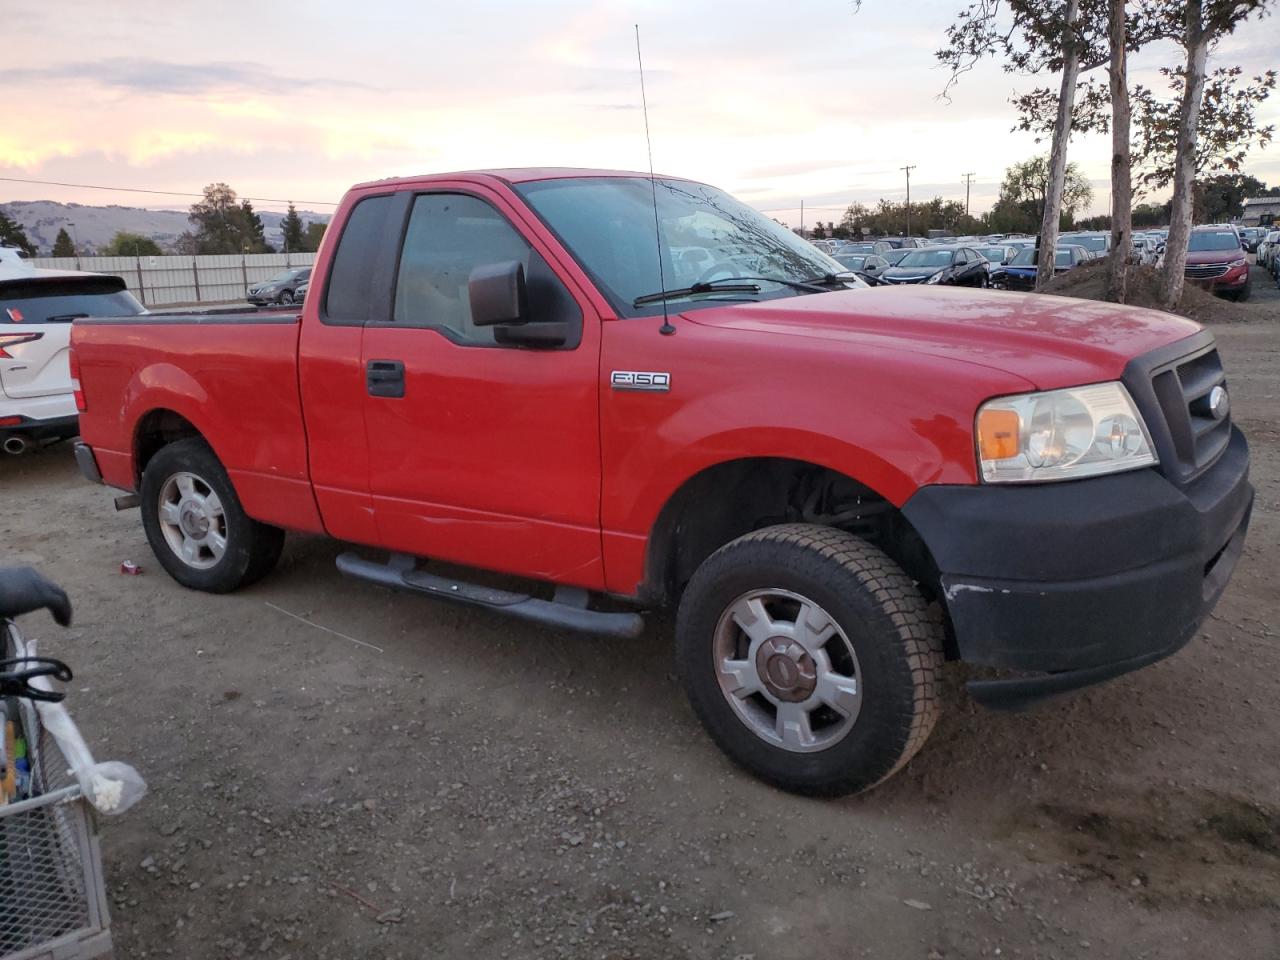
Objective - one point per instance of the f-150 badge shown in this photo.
(640, 380)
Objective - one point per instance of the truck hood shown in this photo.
(1049, 341)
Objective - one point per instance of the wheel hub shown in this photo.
(786, 669)
(193, 520)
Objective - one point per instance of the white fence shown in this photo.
(158, 281)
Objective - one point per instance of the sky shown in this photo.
(811, 100)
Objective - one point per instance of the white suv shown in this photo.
(36, 309)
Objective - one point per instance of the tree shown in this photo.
(255, 236)
(311, 238)
(223, 225)
(1221, 197)
(292, 229)
(1032, 36)
(126, 244)
(1196, 27)
(1121, 181)
(62, 245)
(13, 235)
(1026, 184)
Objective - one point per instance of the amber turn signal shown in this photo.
(998, 434)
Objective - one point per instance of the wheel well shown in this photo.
(731, 499)
(158, 429)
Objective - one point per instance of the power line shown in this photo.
(161, 193)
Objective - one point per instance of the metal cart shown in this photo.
(53, 903)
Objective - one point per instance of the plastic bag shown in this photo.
(112, 787)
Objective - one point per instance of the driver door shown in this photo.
(482, 453)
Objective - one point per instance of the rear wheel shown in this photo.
(810, 658)
(196, 527)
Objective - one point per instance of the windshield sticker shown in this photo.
(15, 315)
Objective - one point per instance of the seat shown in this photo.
(23, 590)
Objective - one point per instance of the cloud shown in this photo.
(143, 75)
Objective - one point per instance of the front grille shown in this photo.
(1205, 271)
(1196, 437)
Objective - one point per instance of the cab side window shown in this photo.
(448, 236)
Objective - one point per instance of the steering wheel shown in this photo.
(735, 268)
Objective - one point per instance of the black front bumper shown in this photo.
(1083, 580)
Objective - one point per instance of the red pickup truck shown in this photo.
(639, 393)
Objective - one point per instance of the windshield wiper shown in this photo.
(728, 285)
(711, 286)
(830, 279)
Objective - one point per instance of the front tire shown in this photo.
(285, 298)
(810, 657)
(196, 526)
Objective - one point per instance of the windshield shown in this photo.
(36, 301)
(994, 254)
(282, 277)
(1213, 240)
(927, 258)
(858, 248)
(607, 224)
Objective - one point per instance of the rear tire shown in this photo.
(867, 691)
(196, 526)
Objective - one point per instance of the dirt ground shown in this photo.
(336, 772)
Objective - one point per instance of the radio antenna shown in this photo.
(666, 329)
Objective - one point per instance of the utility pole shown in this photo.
(968, 179)
(801, 219)
(908, 170)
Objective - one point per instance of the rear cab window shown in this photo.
(348, 295)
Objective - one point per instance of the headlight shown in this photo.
(1238, 263)
(1062, 435)
(934, 278)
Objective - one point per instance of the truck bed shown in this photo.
(232, 375)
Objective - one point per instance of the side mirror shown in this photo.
(500, 299)
(498, 294)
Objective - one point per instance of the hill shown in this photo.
(95, 226)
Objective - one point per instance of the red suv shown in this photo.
(1217, 262)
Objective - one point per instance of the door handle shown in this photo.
(385, 378)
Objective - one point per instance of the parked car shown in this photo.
(998, 254)
(1217, 262)
(13, 257)
(1144, 249)
(300, 294)
(1020, 272)
(36, 385)
(953, 266)
(865, 247)
(282, 288)
(1096, 242)
(1250, 237)
(1269, 252)
(901, 243)
(867, 263)
(485, 381)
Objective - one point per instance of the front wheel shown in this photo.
(810, 658)
(196, 527)
(285, 298)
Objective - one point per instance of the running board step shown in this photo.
(570, 612)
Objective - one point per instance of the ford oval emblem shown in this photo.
(1219, 402)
